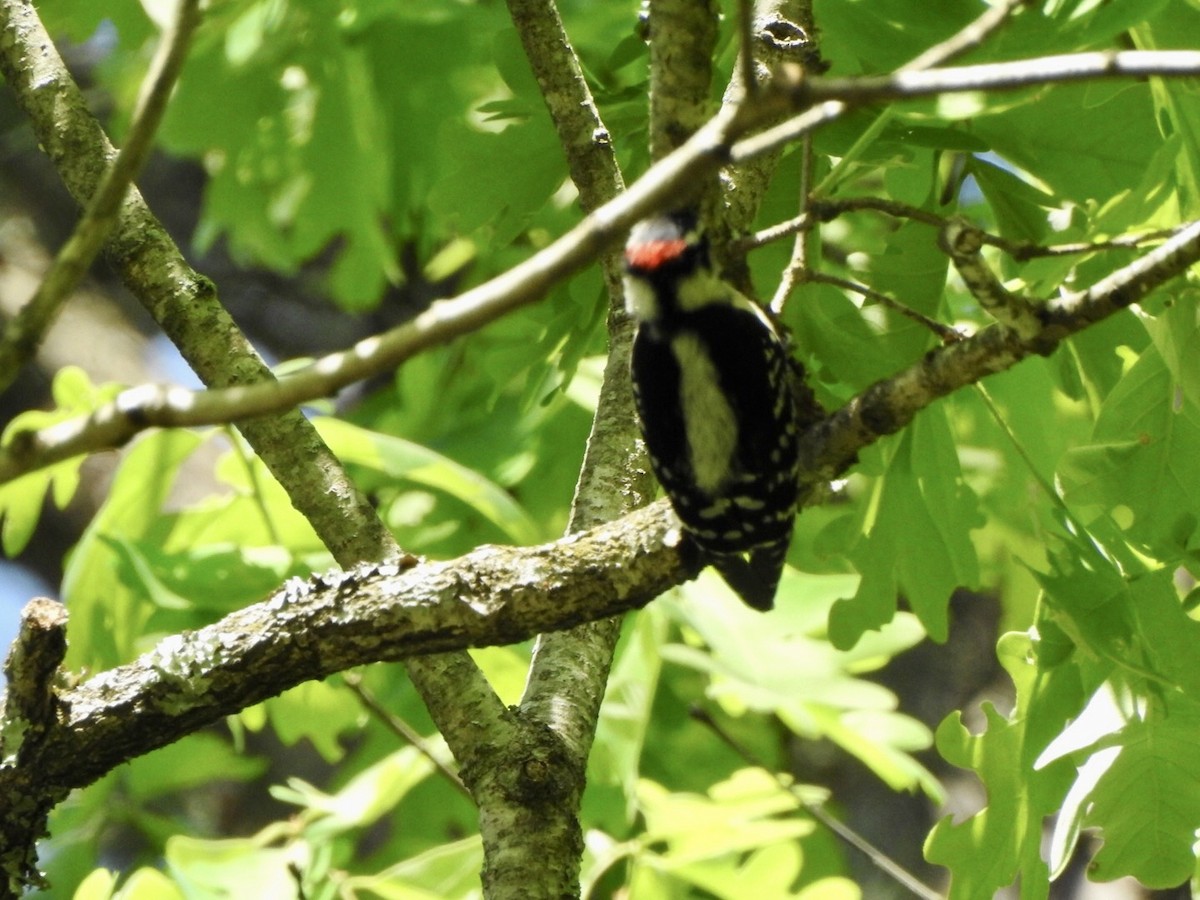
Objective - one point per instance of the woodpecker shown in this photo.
(713, 387)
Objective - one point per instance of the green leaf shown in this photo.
(316, 710)
(891, 35)
(988, 850)
(747, 811)
(211, 579)
(1109, 20)
(98, 885)
(1147, 805)
(369, 795)
(1176, 102)
(766, 872)
(1019, 207)
(784, 664)
(1082, 148)
(238, 867)
(1176, 336)
(449, 870)
(505, 203)
(833, 329)
(148, 884)
(192, 762)
(399, 458)
(1143, 461)
(102, 604)
(625, 714)
(915, 535)
(21, 499)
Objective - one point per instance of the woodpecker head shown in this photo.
(666, 267)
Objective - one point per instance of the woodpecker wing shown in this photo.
(751, 501)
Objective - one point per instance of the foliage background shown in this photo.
(335, 165)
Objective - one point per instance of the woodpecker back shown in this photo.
(712, 384)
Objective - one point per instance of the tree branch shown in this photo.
(826, 99)
(567, 708)
(312, 629)
(962, 242)
(611, 481)
(24, 332)
(667, 181)
(887, 406)
(778, 33)
(29, 711)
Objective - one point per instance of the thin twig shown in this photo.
(945, 333)
(827, 99)
(796, 271)
(745, 10)
(777, 232)
(962, 242)
(827, 209)
(402, 729)
(874, 855)
(1022, 251)
(965, 39)
(23, 334)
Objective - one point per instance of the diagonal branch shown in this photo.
(826, 99)
(312, 629)
(662, 185)
(23, 334)
(887, 406)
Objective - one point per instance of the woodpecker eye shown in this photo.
(653, 255)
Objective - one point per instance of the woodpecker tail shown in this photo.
(755, 579)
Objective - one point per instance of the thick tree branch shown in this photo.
(312, 629)
(683, 35)
(29, 710)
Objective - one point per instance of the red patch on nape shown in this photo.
(650, 255)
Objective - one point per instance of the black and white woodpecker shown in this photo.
(712, 382)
